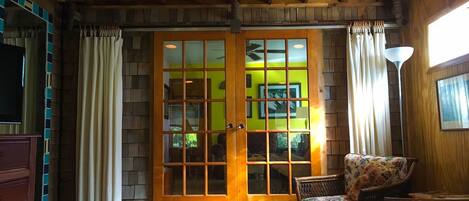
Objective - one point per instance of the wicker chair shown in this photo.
(332, 185)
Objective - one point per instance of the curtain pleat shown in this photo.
(368, 98)
(99, 118)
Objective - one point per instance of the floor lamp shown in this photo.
(398, 55)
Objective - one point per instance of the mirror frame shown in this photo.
(35, 9)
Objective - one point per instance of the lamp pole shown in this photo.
(398, 65)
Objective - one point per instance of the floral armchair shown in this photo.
(365, 178)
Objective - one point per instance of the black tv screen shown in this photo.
(11, 83)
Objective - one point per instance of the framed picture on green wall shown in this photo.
(278, 108)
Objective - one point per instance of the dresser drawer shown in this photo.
(14, 190)
(14, 154)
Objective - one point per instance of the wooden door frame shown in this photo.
(157, 115)
(315, 65)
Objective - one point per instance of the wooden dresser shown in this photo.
(17, 167)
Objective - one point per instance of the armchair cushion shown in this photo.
(367, 171)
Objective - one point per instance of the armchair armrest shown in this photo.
(317, 186)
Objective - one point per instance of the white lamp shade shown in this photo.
(398, 54)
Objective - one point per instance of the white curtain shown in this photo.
(368, 99)
(99, 115)
(27, 38)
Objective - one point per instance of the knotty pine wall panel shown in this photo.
(443, 155)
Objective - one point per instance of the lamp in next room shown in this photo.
(398, 55)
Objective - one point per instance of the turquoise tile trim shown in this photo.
(49, 93)
(45, 198)
(49, 67)
(48, 113)
(47, 133)
(50, 28)
(45, 15)
(46, 179)
(2, 3)
(46, 159)
(21, 2)
(50, 47)
(1, 26)
(36, 9)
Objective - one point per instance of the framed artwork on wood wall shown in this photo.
(453, 102)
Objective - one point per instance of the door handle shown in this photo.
(229, 126)
(241, 126)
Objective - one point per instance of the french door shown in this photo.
(235, 116)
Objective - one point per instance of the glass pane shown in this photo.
(278, 146)
(216, 54)
(257, 179)
(194, 53)
(195, 147)
(255, 53)
(195, 180)
(277, 115)
(298, 80)
(216, 116)
(216, 179)
(302, 170)
(172, 54)
(195, 85)
(195, 116)
(299, 115)
(254, 79)
(297, 53)
(217, 147)
(172, 117)
(279, 179)
(256, 147)
(300, 146)
(254, 121)
(216, 85)
(172, 85)
(172, 144)
(173, 180)
(277, 84)
(275, 53)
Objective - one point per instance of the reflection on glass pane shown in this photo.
(194, 53)
(279, 179)
(195, 180)
(195, 116)
(216, 54)
(195, 85)
(298, 80)
(275, 53)
(172, 148)
(253, 80)
(255, 53)
(297, 53)
(217, 147)
(172, 117)
(278, 146)
(257, 179)
(277, 115)
(300, 146)
(216, 179)
(172, 85)
(216, 116)
(302, 170)
(172, 54)
(256, 147)
(277, 84)
(173, 180)
(216, 85)
(253, 121)
(299, 112)
(195, 147)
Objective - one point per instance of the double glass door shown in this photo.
(233, 114)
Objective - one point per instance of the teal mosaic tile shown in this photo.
(36, 9)
(50, 28)
(45, 15)
(2, 3)
(48, 113)
(2, 26)
(46, 159)
(49, 67)
(46, 179)
(21, 2)
(48, 92)
(47, 133)
(45, 198)
(50, 47)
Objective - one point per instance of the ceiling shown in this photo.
(315, 3)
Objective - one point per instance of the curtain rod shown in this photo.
(244, 28)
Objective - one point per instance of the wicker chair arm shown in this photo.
(317, 186)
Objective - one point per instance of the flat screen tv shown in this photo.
(11, 83)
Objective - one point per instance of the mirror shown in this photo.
(27, 33)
